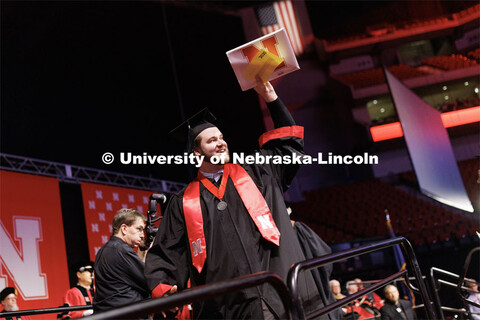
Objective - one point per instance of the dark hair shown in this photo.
(196, 142)
(125, 216)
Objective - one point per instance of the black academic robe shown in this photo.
(313, 247)
(14, 318)
(234, 245)
(6, 317)
(391, 312)
(119, 276)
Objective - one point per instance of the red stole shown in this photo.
(251, 198)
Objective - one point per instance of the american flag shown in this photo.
(399, 260)
(278, 15)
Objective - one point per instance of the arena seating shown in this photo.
(457, 104)
(466, 12)
(469, 171)
(475, 55)
(395, 26)
(357, 210)
(422, 23)
(350, 38)
(373, 77)
(452, 62)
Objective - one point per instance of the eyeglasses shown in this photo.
(139, 229)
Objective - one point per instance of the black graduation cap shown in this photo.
(82, 266)
(5, 292)
(191, 128)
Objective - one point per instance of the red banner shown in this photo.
(32, 250)
(100, 204)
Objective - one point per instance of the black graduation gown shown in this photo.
(234, 245)
(119, 276)
(14, 318)
(313, 247)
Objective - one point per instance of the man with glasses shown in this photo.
(119, 278)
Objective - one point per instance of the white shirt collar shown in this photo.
(215, 175)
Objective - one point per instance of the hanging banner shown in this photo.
(100, 204)
(32, 252)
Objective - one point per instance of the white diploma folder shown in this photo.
(277, 43)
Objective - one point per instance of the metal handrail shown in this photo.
(438, 270)
(149, 306)
(450, 284)
(454, 309)
(435, 289)
(407, 249)
(32, 312)
(435, 286)
(461, 280)
(199, 293)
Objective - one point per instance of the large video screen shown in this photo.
(429, 147)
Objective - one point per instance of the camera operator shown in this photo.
(119, 277)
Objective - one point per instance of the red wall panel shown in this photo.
(100, 203)
(32, 252)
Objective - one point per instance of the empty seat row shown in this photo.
(357, 210)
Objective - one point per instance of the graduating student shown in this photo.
(231, 221)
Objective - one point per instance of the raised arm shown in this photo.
(280, 115)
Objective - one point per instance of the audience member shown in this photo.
(352, 287)
(371, 300)
(8, 298)
(336, 289)
(313, 246)
(473, 296)
(119, 271)
(82, 293)
(395, 308)
(354, 308)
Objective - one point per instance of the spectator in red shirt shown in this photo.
(82, 293)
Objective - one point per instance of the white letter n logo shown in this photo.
(24, 265)
(197, 247)
(265, 221)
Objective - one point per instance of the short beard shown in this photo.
(11, 308)
(227, 158)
